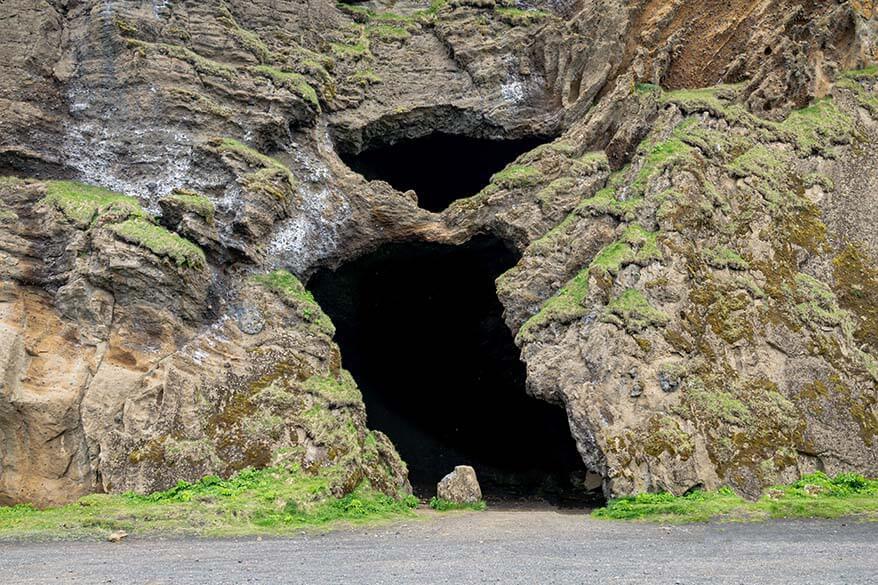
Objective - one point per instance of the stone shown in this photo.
(117, 536)
(460, 486)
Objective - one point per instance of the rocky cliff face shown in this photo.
(698, 269)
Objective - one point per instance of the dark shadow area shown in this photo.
(421, 329)
(440, 168)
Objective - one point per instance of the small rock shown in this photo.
(460, 486)
(775, 494)
(813, 490)
(117, 536)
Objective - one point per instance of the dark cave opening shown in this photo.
(421, 329)
(439, 167)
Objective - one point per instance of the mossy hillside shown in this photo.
(276, 500)
(292, 292)
(88, 206)
(813, 496)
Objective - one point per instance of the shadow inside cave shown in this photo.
(439, 167)
(421, 329)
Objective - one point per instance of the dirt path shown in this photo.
(510, 546)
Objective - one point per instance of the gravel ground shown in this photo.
(506, 546)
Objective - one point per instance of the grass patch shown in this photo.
(83, 204)
(515, 176)
(441, 505)
(274, 500)
(160, 241)
(518, 16)
(814, 496)
(291, 290)
(195, 203)
(295, 82)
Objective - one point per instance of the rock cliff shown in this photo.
(698, 281)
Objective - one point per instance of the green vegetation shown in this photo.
(388, 32)
(518, 16)
(813, 496)
(271, 177)
(274, 500)
(515, 176)
(632, 311)
(83, 204)
(636, 246)
(441, 505)
(86, 204)
(564, 307)
(870, 72)
(366, 77)
(295, 82)
(193, 202)
(160, 241)
(291, 290)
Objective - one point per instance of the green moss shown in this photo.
(633, 312)
(636, 246)
(646, 88)
(366, 77)
(817, 128)
(84, 204)
(295, 82)
(194, 203)
(201, 64)
(7, 215)
(563, 307)
(197, 102)
(272, 177)
(291, 290)
(717, 100)
(817, 304)
(606, 201)
(520, 17)
(659, 157)
(722, 257)
(870, 72)
(517, 176)
(664, 435)
(768, 169)
(388, 33)
(160, 242)
(856, 287)
(337, 391)
(246, 38)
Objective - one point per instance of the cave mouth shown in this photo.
(421, 330)
(439, 167)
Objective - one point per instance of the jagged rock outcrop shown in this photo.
(698, 264)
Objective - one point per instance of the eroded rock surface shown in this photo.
(698, 274)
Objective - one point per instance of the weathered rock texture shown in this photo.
(698, 279)
(461, 486)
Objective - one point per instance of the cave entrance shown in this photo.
(421, 329)
(439, 167)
